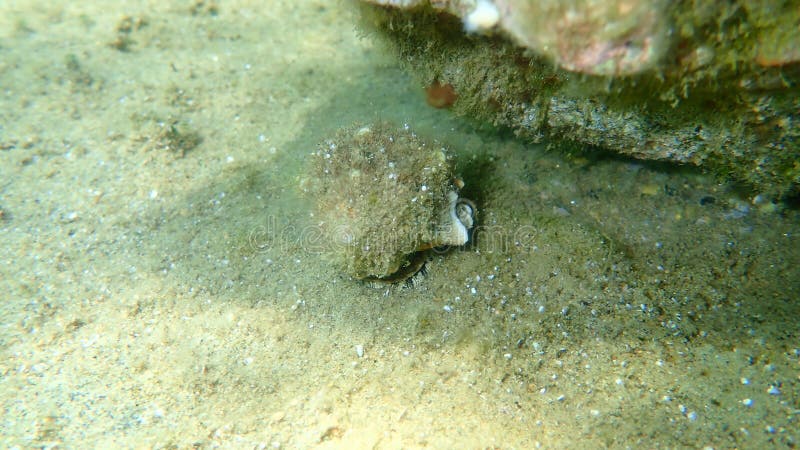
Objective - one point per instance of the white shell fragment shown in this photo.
(483, 17)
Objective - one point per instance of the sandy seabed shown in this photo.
(160, 289)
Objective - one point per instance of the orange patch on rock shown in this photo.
(440, 95)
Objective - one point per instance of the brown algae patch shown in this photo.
(383, 195)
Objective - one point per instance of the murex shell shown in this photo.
(384, 195)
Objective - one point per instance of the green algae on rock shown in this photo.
(384, 195)
(714, 84)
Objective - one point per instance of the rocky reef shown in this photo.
(385, 197)
(714, 84)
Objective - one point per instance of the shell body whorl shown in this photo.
(382, 195)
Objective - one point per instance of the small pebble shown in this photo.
(773, 390)
(360, 350)
(707, 200)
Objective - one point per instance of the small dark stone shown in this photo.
(707, 200)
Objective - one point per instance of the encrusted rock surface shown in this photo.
(710, 84)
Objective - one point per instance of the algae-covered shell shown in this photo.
(383, 194)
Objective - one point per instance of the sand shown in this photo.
(162, 285)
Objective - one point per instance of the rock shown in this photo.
(715, 84)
